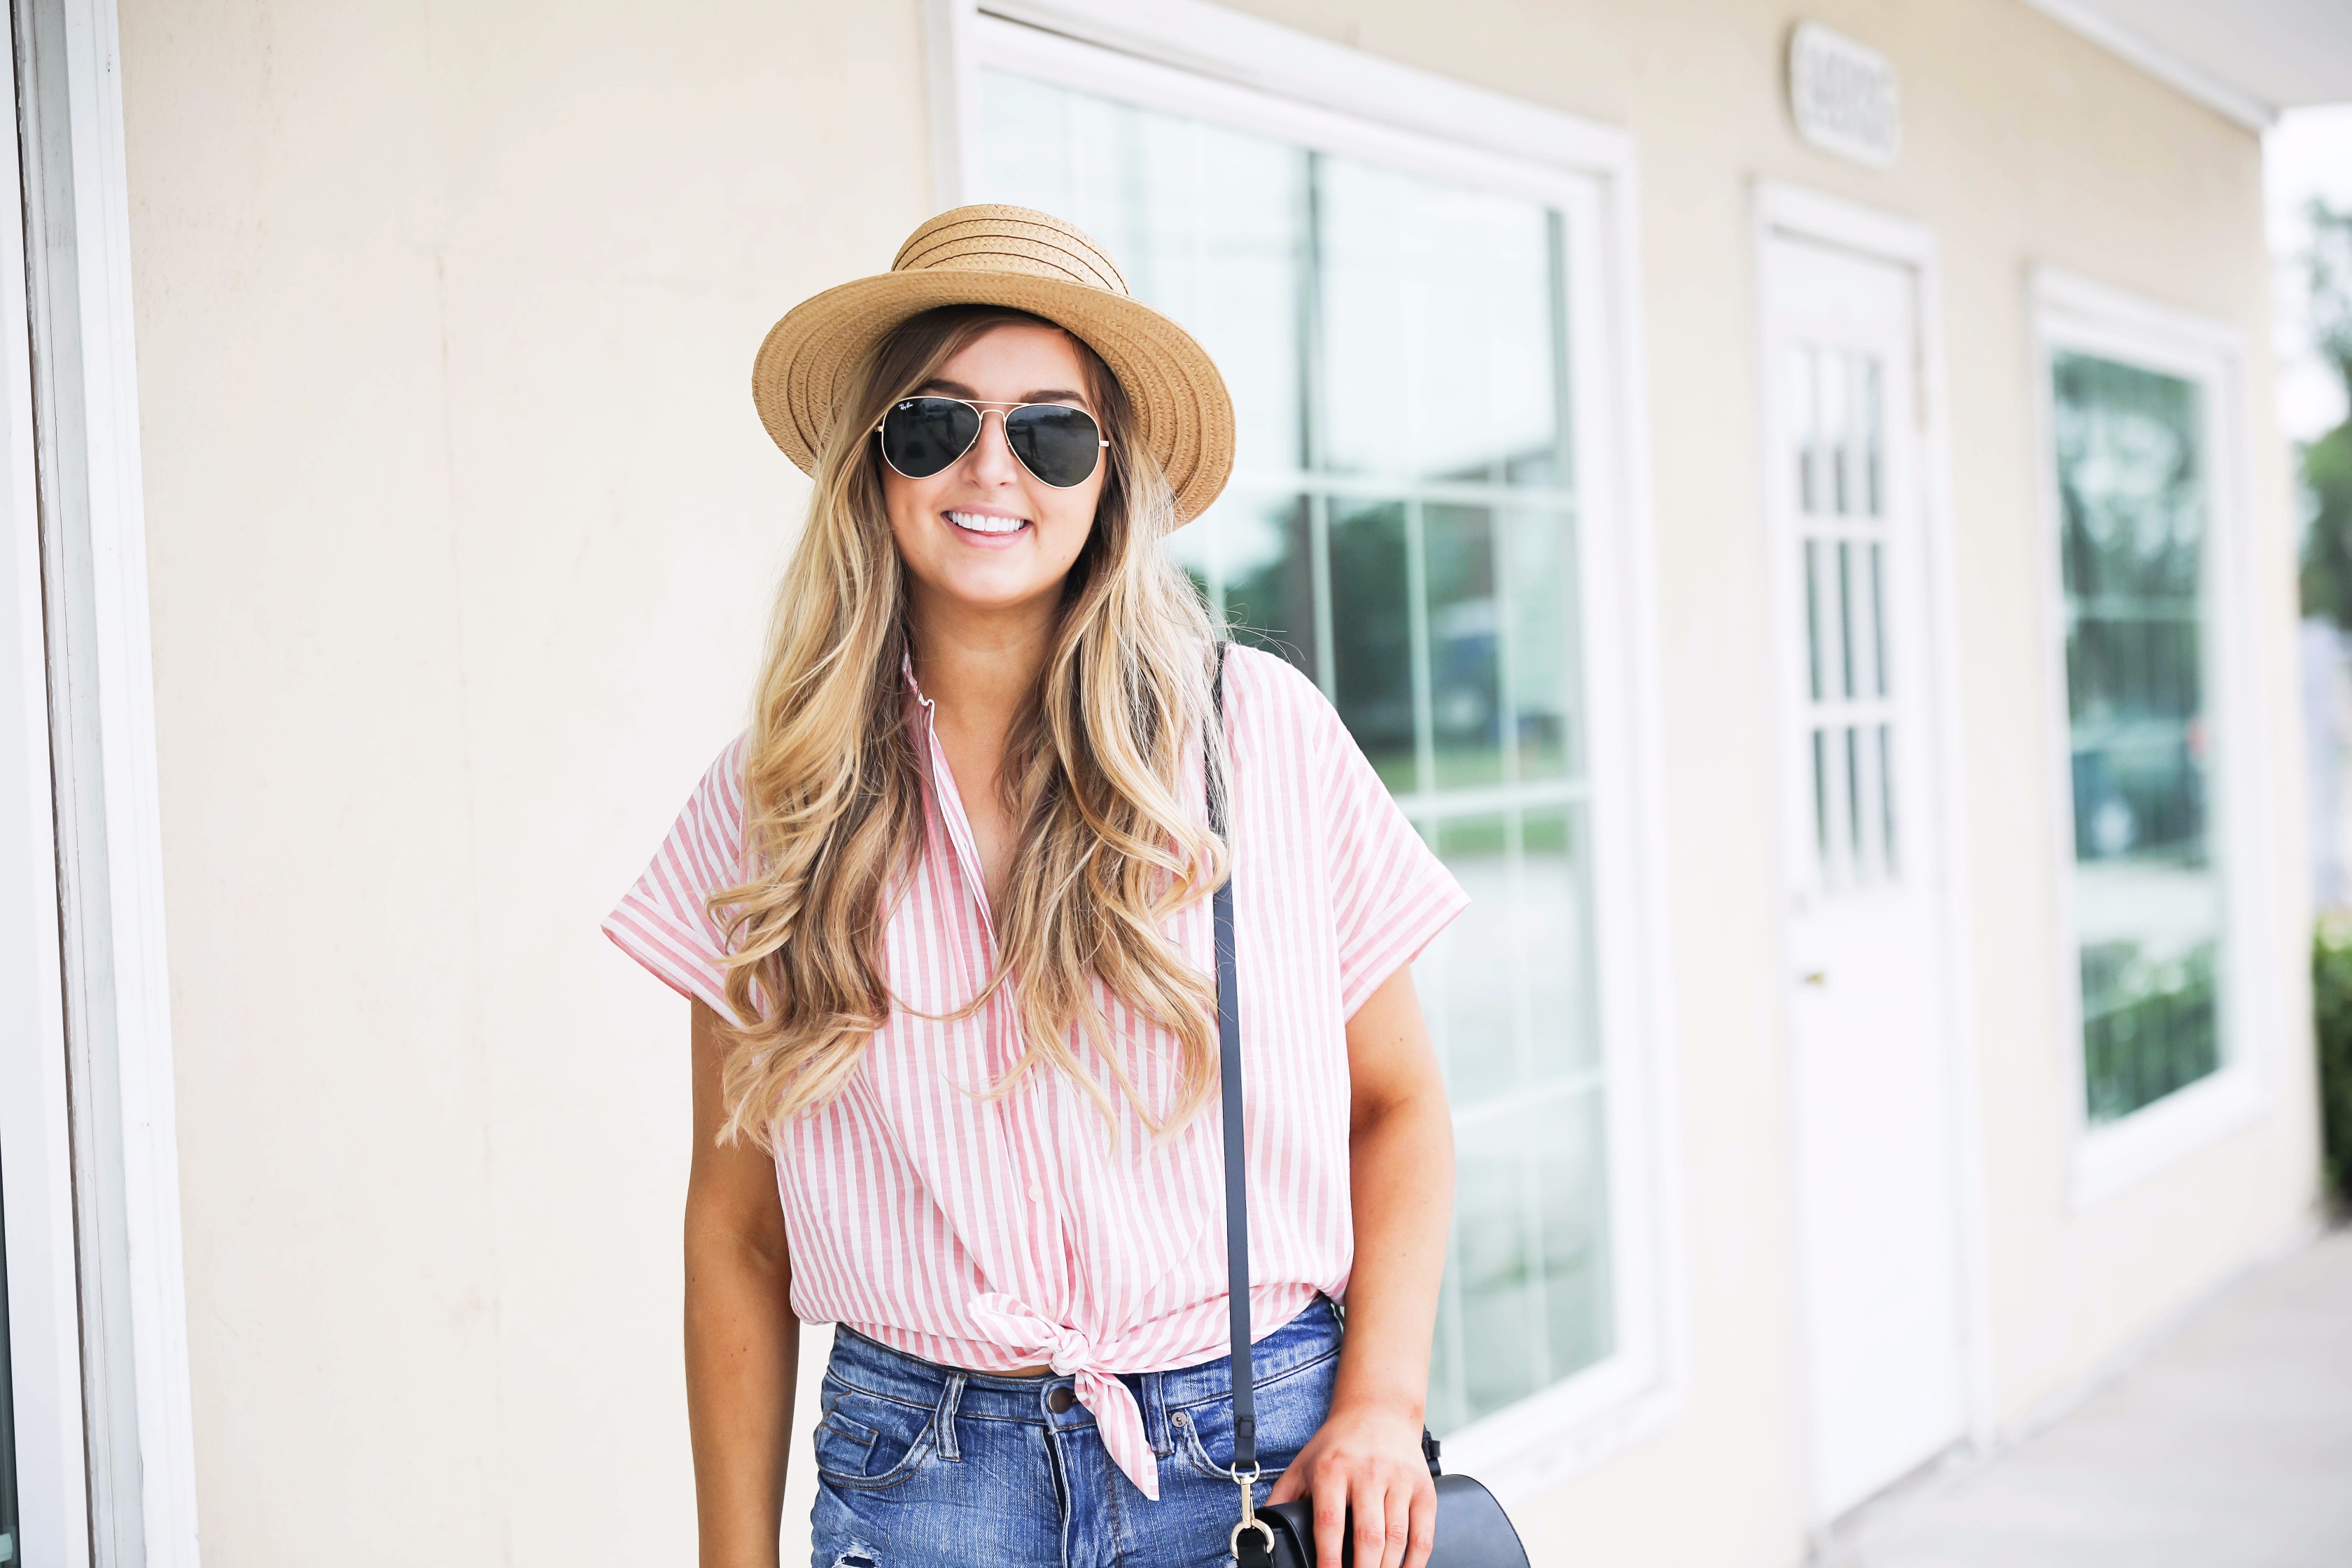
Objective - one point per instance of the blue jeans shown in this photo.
(921, 1465)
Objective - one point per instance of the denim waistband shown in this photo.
(873, 1367)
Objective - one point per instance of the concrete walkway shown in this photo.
(2230, 1447)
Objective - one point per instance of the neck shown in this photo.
(979, 666)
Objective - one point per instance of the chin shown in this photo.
(999, 590)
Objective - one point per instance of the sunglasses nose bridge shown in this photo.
(1002, 429)
(980, 435)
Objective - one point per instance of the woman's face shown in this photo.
(984, 533)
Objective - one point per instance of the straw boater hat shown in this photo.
(1029, 261)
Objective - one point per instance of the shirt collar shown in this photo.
(906, 671)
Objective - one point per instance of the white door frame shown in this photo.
(117, 1444)
(1785, 211)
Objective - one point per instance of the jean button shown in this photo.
(1059, 1399)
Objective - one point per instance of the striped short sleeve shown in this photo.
(1390, 894)
(661, 922)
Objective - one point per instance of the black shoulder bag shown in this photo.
(1473, 1531)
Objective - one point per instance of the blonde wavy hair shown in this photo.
(833, 782)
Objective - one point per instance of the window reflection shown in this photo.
(1438, 373)
(1399, 527)
(2149, 912)
(1465, 700)
(1371, 642)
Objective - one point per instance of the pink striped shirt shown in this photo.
(1000, 1232)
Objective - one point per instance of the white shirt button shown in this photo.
(1036, 1193)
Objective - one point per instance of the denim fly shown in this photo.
(923, 1466)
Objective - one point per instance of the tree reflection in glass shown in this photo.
(2148, 905)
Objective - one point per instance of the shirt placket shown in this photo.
(1025, 1115)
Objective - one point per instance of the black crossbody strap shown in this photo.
(1229, 1075)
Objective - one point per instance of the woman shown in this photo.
(943, 916)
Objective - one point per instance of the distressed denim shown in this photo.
(923, 1466)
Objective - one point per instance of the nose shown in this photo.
(991, 460)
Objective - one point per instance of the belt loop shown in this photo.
(1155, 1414)
(943, 1420)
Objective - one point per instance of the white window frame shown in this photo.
(35, 1158)
(1192, 58)
(96, 1304)
(2076, 314)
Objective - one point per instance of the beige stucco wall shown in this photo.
(460, 530)
(460, 527)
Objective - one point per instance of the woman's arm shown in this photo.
(742, 1342)
(1367, 1456)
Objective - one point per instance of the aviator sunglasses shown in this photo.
(1059, 444)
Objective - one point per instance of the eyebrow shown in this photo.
(947, 388)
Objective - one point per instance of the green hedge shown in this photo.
(2331, 1000)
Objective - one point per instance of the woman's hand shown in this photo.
(1366, 1463)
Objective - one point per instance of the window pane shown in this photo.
(1495, 1256)
(2148, 897)
(1549, 914)
(1541, 656)
(1475, 965)
(1402, 529)
(1578, 1318)
(1830, 388)
(1872, 437)
(1804, 379)
(1528, 1295)
(1438, 338)
(1372, 636)
(1251, 554)
(1458, 545)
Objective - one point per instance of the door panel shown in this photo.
(1876, 1189)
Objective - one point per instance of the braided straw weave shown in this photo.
(1030, 261)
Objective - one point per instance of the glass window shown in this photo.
(1850, 700)
(2148, 901)
(1402, 527)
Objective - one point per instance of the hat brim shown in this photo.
(1183, 414)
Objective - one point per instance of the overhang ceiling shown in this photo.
(2273, 54)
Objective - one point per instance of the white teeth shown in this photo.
(987, 523)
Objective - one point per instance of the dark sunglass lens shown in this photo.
(921, 435)
(1058, 444)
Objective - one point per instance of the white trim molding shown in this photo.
(2075, 313)
(138, 1431)
(1797, 212)
(1202, 61)
(44, 1329)
(1213, 41)
(2185, 77)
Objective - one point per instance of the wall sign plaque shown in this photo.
(1844, 96)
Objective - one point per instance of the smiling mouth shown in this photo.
(986, 523)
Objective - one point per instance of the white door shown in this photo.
(1877, 1191)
